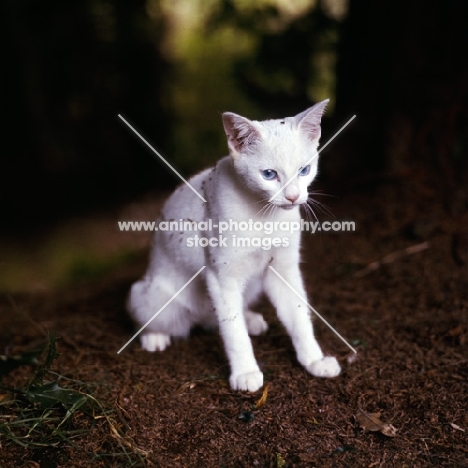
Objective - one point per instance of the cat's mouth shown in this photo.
(289, 206)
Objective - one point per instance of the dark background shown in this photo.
(396, 288)
(171, 68)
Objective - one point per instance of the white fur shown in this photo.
(235, 277)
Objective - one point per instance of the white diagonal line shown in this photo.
(162, 159)
(313, 156)
(311, 308)
(161, 309)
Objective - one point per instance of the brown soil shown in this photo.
(407, 318)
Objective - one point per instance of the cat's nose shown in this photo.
(292, 198)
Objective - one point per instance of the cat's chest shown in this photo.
(240, 261)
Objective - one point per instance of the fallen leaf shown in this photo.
(187, 386)
(457, 427)
(280, 461)
(371, 422)
(456, 331)
(5, 397)
(312, 421)
(262, 400)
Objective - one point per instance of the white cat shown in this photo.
(247, 185)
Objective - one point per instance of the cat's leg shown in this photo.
(226, 294)
(256, 324)
(294, 315)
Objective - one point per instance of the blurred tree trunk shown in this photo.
(70, 68)
(403, 70)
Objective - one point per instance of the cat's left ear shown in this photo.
(309, 120)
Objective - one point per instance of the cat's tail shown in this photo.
(148, 305)
(137, 300)
(138, 305)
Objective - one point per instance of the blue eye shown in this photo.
(304, 170)
(269, 174)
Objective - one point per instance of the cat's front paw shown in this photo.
(155, 341)
(256, 324)
(326, 367)
(251, 381)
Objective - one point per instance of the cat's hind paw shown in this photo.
(326, 367)
(251, 381)
(255, 322)
(155, 341)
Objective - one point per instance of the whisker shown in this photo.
(320, 207)
(261, 211)
(310, 211)
(265, 208)
(320, 193)
(263, 200)
(269, 212)
(274, 209)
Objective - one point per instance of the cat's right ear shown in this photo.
(241, 133)
(309, 120)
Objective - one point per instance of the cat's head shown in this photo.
(276, 159)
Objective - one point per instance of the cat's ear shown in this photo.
(241, 132)
(309, 120)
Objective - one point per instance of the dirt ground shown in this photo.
(407, 316)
